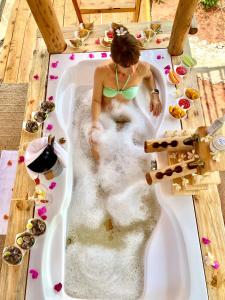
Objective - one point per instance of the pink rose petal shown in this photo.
(50, 98)
(72, 57)
(44, 217)
(36, 77)
(158, 57)
(21, 159)
(205, 241)
(34, 273)
(97, 41)
(216, 265)
(53, 77)
(42, 211)
(91, 55)
(167, 67)
(58, 287)
(104, 54)
(49, 127)
(167, 71)
(55, 64)
(52, 185)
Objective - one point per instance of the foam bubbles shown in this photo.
(113, 211)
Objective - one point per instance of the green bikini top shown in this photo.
(129, 93)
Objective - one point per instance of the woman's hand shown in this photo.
(155, 105)
(96, 126)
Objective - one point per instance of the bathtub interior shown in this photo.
(172, 269)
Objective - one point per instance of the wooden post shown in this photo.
(181, 25)
(48, 25)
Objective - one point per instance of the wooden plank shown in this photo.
(60, 11)
(13, 279)
(29, 44)
(106, 4)
(207, 208)
(8, 40)
(17, 43)
(2, 242)
(36, 91)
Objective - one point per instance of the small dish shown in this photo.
(173, 78)
(25, 240)
(176, 112)
(12, 255)
(181, 70)
(184, 103)
(105, 44)
(31, 126)
(192, 94)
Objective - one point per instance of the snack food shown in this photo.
(31, 126)
(188, 61)
(184, 103)
(149, 33)
(40, 116)
(36, 226)
(176, 111)
(47, 106)
(25, 240)
(156, 27)
(181, 70)
(174, 78)
(76, 42)
(192, 94)
(83, 33)
(12, 255)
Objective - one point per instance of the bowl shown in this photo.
(192, 94)
(181, 70)
(176, 112)
(176, 77)
(184, 103)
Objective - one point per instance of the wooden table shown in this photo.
(207, 203)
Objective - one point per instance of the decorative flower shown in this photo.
(72, 56)
(206, 241)
(209, 259)
(53, 77)
(34, 273)
(91, 55)
(55, 64)
(36, 77)
(121, 31)
(42, 211)
(177, 187)
(50, 98)
(58, 287)
(52, 185)
(192, 154)
(21, 159)
(49, 127)
(185, 181)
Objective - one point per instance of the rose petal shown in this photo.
(158, 41)
(36, 77)
(58, 287)
(97, 41)
(34, 273)
(158, 57)
(167, 67)
(9, 163)
(49, 127)
(167, 71)
(21, 159)
(91, 55)
(104, 54)
(52, 185)
(42, 211)
(72, 57)
(37, 181)
(205, 241)
(55, 64)
(44, 217)
(5, 217)
(50, 98)
(216, 265)
(53, 77)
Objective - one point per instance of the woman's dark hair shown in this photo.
(125, 49)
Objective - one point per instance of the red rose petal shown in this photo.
(5, 217)
(37, 181)
(58, 287)
(44, 217)
(9, 163)
(21, 159)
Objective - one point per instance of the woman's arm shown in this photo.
(97, 95)
(155, 103)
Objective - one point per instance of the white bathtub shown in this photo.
(173, 267)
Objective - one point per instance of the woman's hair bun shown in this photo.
(119, 29)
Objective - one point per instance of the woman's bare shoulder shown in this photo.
(144, 68)
(103, 67)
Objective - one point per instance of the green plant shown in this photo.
(209, 3)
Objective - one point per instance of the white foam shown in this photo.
(113, 210)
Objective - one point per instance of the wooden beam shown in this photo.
(181, 25)
(48, 24)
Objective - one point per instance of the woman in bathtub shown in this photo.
(120, 78)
